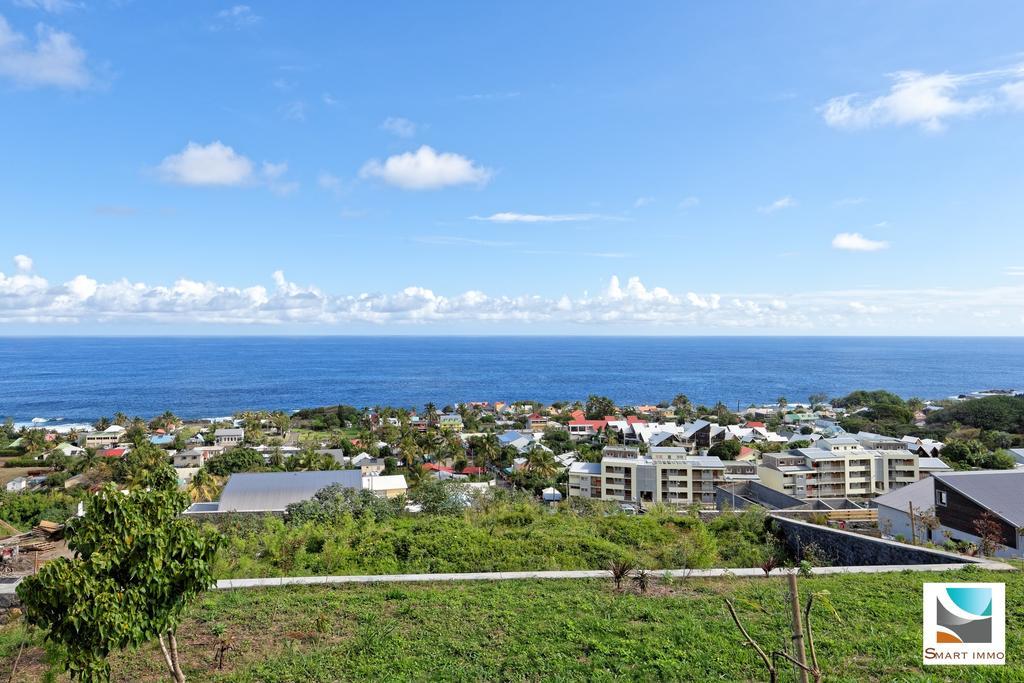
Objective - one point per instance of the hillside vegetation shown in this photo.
(547, 630)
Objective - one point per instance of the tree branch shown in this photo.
(753, 643)
(810, 638)
(178, 675)
(167, 656)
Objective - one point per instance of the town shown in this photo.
(511, 491)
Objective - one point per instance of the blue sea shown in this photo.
(80, 379)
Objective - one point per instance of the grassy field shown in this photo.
(549, 630)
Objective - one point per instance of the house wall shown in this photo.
(960, 512)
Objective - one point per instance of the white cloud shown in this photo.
(513, 217)
(641, 202)
(928, 100)
(273, 176)
(212, 164)
(236, 17)
(331, 183)
(27, 298)
(689, 202)
(23, 263)
(396, 125)
(295, 111)
(329, 99)
(1014, 271)
(216, 164)
(55, 59)
(778, 205)
(51, 6)
(426, 169)
(854, 241)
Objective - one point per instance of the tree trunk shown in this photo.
(179, 677)
(798, 631)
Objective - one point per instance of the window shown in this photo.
(940, 498)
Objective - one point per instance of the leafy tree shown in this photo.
(598, 407)
(726, 450)
(441, 497)
(137, 565)
(331, 503)
(235, 460)
(1002, 413)
(818, 399)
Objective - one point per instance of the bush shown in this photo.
(335, 501)
(235, 460)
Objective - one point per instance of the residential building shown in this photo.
(955, 501)
(108, 437)
(192, 457)
(585, 479)
(274, 491)
(536, 423)
(666, 475)
(838, 468)
(450, 421)
(926, 467)
(229, 437)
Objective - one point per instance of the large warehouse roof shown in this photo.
(274, 491)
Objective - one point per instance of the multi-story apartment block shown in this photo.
(838, 468)
(666, 475)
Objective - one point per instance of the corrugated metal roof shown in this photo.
(274, 491)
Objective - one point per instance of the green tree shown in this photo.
(599, 406)
(137, 565)
(726, 450)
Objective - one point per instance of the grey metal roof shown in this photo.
(999, 491)
(274, 491)
(920, 493)
(585, 468)
(229, 432)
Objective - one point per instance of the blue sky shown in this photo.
(582, 168)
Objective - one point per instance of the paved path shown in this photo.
(225, 584)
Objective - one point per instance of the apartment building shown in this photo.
(666, 475)
(838, 468)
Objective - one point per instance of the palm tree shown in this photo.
(430, 412)
(34, 441)
(781, 400)
(541, 462)
(120, 419)
(203, 486)
(102, 423)
(87, 461)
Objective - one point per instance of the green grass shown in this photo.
(554, 630)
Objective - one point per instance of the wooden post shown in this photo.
(798, 630)
(913, 525)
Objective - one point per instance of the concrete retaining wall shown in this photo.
(844, 548)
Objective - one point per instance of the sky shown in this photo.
(793, 168)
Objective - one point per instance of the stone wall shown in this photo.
(844, 548)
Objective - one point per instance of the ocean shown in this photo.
(80, 379)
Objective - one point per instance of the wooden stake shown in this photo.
(798, 631)
(913, 525)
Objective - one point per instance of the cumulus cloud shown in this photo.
(53, 60)
(27, 298)
(23, 263)
(778, 205)
(396, 125)
(854, 241)
(426, 169)
(216, 164)
(928, 100)
(212, 164)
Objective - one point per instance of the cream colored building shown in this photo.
(838, 468)
(665, 475)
